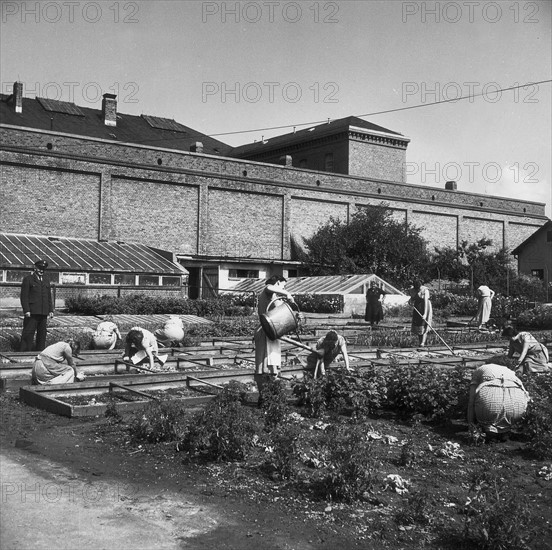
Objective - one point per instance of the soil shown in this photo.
(81, 483)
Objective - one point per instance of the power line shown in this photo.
(388, 110)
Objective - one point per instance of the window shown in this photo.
(292, 273)
(73, 278)
(16, 276)
(124, 279)
(148, 280)
(539, 273)
(243, 273)
(329, 162)
(99, 279)
(171, 281)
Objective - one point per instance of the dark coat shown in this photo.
(36, 296)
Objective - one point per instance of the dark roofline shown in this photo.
(316, 131)
(518, 248)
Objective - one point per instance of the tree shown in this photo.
(373, 242)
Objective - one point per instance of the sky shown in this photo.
(237, 70)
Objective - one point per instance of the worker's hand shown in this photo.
(126, 358)
(80, 377)
(27, 314)
(50, 315)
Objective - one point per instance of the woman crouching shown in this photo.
(55, 364)
(497, 399)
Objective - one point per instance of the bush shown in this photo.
(319, 303)
(159, 421)
(283, 442)
(496, 518)
(223, 430)
(436, 393)
(539, 317)
(311, 393)
(274, 402)
(352, 466)
(538, 418)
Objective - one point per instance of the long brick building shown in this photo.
(226, 213)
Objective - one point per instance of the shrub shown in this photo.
(496, 518)
(539, 317)
(283, 441)
(436, 393)
(362, 392)
(538, 418)
(352, 466)
(420, 508)
(274, 402)
(223, 430)
(319, 303)
(311, 393)
(159, 421)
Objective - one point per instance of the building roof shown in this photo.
(22, 251)
(309, 134)
(546, 227)
(66, 117)
(329, 284)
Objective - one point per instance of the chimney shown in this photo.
(109, 109)
(286, 160)
(196, 147)
(18, 96)
(451, 186)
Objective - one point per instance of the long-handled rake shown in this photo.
(438, 335)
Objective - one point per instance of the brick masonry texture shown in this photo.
(440, 230)
(244, 224)
(308, 215)
(49, 202)
(386, 163)
(199, 204)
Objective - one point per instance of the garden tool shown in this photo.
(438, 335)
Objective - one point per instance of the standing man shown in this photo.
(36, 300)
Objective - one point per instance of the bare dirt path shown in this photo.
(67, 485)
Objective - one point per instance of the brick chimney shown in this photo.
(18, 96)
(451, 186)
(286, 160)
(109, 109)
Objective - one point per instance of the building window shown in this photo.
(16, 276)
(125, 279)
(148, 280)
(329, 162)
(73, 278)
(99, 279)
(243, 273)
(292, 273)
(539, 273)
(171, 281)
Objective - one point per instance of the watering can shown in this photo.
(279, 319)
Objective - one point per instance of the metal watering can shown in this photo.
(279, 319)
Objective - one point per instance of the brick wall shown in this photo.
(438, 229)
(49, 202)
(309, 215)
(197, 204)
(244, 224)
(376, 161)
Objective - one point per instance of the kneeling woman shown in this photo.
(55, 364)
(497, 399)
(326, 350)
(140, 345)
(533, 356)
